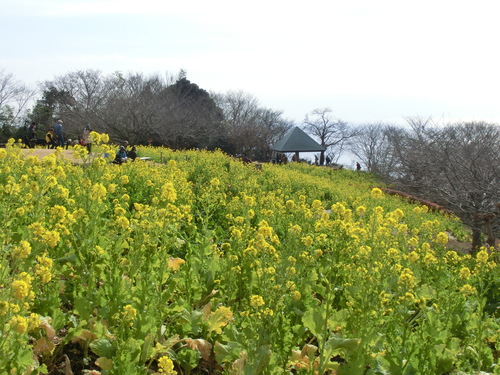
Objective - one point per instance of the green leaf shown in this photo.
(427, 292)
(83, 307)
(227, 352)
(315, 321)
(336, 343)
(103, 348)
(72, 258)
(256, 364)
(188, 359)
(338, 319)
(147, 347)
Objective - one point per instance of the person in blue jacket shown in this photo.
(121, 156)
(59, 134)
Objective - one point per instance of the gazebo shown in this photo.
(296, 140)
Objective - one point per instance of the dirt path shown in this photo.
(42, 152)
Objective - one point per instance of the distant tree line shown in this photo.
(167, 111)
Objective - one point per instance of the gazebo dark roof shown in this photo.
(296, 140)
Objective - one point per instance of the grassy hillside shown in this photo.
(197, 263)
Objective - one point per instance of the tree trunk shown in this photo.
(476, 235)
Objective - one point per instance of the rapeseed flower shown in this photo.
(58, 212)
(33, 321)
(95, 137)
(376, 193)
(104, 138)
(166, 366)
(464, 273)
(256, 301)
(468, 290)
(19, 324)
(270, 270)
(406, 277)
(119, 211)
(413, 241)
(268, 311)
(98, 191)
(441, 238)
(360, 210)
(168, 192)
(307, 241)
(100, 250)
(236, 232)
(249, 200)
(430, 258)
(175, 263)
(23, 250)
(317, 205)
(399, 213)
(128, 314)
(338, 208)
(413, 256)
(51, 237)
(215, 182)
(482, 256)
(122, 222)
(452, 257)
(295, 294)
(21, 289)
(364, 250)
(112, 188)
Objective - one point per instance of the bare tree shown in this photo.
(14, 97)
(372, 147)
(251, 128)
(332, 132)
(135, 107)
(457, 166)
(78, 98)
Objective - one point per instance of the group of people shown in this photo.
(55, 136)
(52, 139)
(279, 158)
(125, 154)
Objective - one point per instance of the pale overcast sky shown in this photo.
(368, 60)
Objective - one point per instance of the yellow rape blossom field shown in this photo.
(195, 263)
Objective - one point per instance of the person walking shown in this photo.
(58, 133)
(87, 140)
(31, 137)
